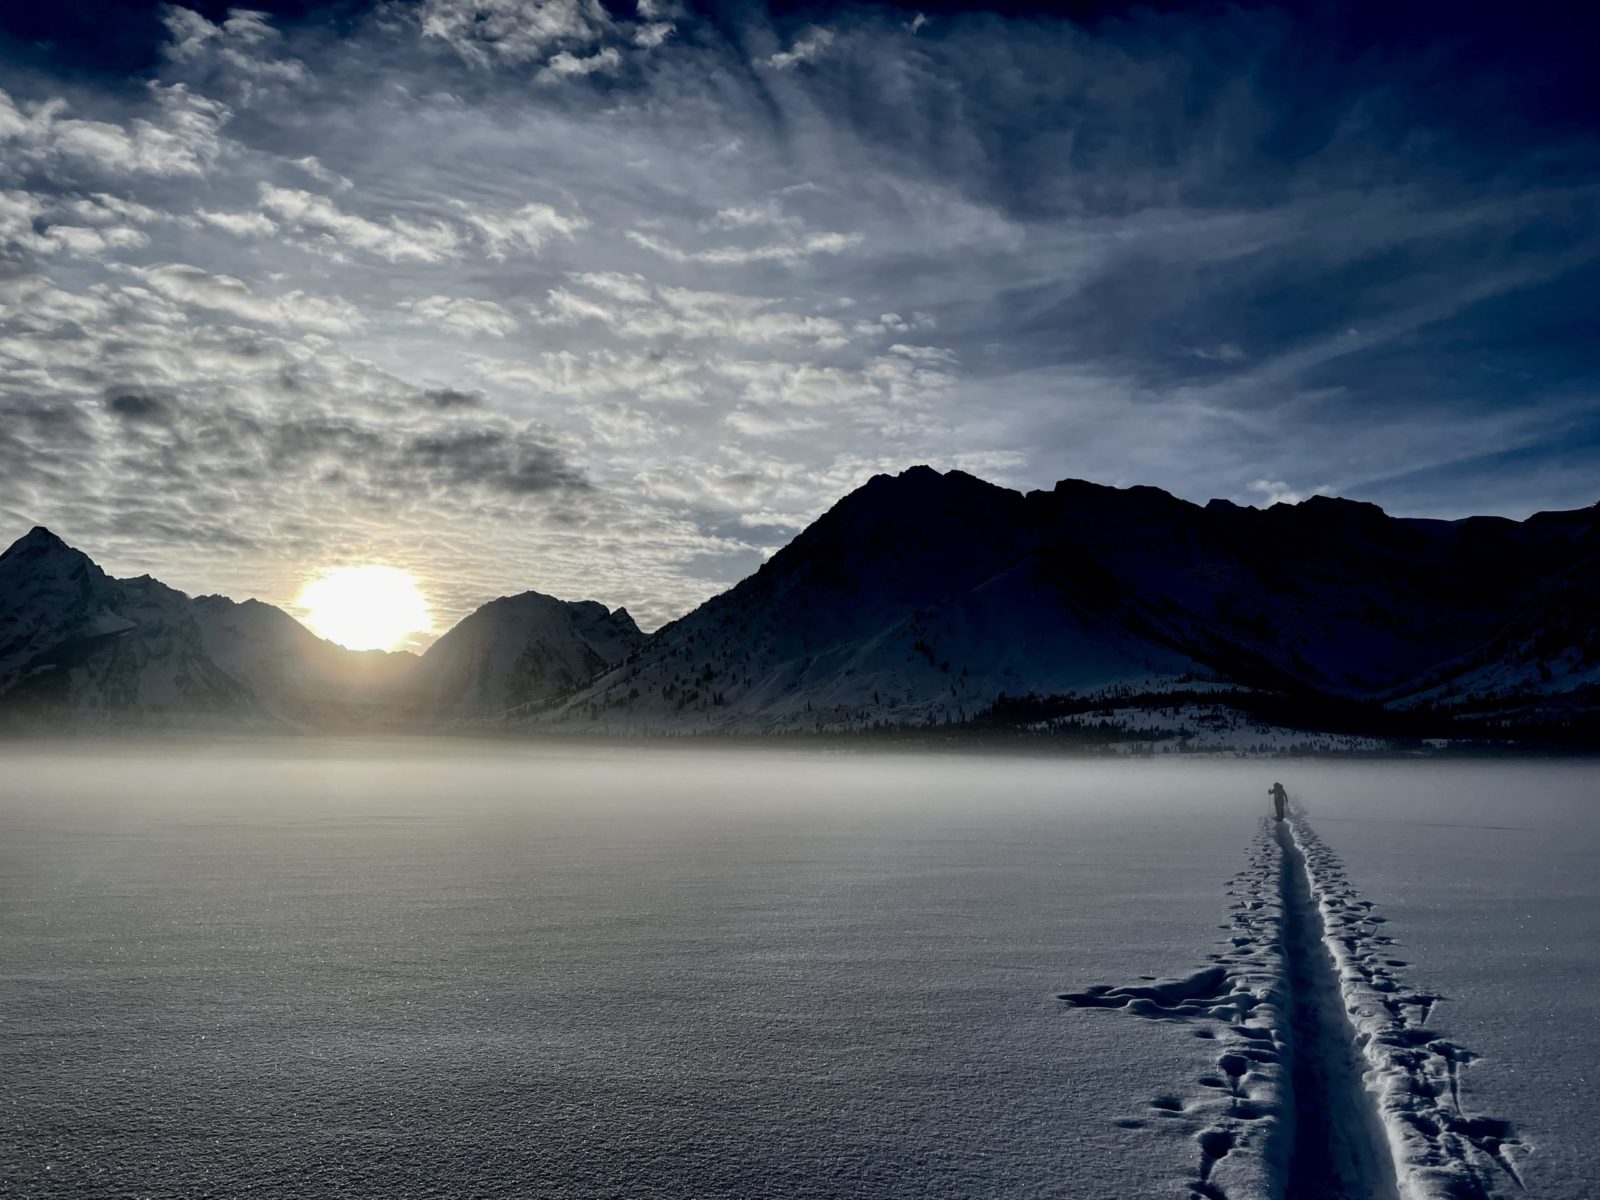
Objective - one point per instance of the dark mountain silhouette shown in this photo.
(922, 598)
(926, 597)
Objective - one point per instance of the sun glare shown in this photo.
(365, 608)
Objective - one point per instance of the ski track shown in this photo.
(1242, 1114)
(1441, 1151)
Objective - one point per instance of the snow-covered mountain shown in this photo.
(924, 597)
(1544, 660)
(79, 645)
(295, 675)
(517, 650)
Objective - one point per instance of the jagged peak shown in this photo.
(1336, 504)
(37, 540)
(1087, 487)
(904, 494)
(519, 600)
(523, 601)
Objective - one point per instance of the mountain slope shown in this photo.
(1546, 659)
(925, 597)
(517, 650)
(916, 598)
(294, 674)
(75, 642)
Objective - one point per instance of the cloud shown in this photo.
(137, 406)
(394, 239)
(222, 293)
(566, 65)
(757, 423)
(26, 224)
(181, 137)
(89, 242)
(1223, 352)
(314, 167)
(662, 377)
(484, 32)
(805, 246)
(460, 315)
(808, 46)
(632, 308)
(447, 398)
(499, 459)
(240, 224)
(523, 231)
(202, 437)
(238, 50)
(616, 424)
(104, 209)
(766, 215)
(650, 36)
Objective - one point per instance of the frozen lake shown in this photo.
(466, 969)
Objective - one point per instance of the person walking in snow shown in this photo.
(1280, 799)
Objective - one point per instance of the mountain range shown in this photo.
(921, 599)
(81, 649)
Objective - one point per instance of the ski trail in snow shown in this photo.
(1340, 1148)
(1413, 1076)
(1328, 1084)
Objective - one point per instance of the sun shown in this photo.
(364, 608)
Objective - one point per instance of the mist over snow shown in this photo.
(515, 294)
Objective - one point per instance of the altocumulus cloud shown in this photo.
(539, 293)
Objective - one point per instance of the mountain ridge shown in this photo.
(81, 648)
(928, 598)
(1133, 589)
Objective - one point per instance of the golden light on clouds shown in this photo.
(365, 608)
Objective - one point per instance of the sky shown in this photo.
(609, 301)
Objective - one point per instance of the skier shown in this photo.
(1280, 799)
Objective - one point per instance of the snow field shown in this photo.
(376, 968)
(1240, 1113)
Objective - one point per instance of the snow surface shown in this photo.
(1487, 876)
(409, 967)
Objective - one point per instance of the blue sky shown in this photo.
(609, 301)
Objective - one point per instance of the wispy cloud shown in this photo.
(233, 297)
(808, 46)
(482, 318)
(567, 65)
(524, 230)
(804, 246)
(394, 238)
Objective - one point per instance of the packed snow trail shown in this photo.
(1340, 1148)
(1441, 1151)
(1328, 1085)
